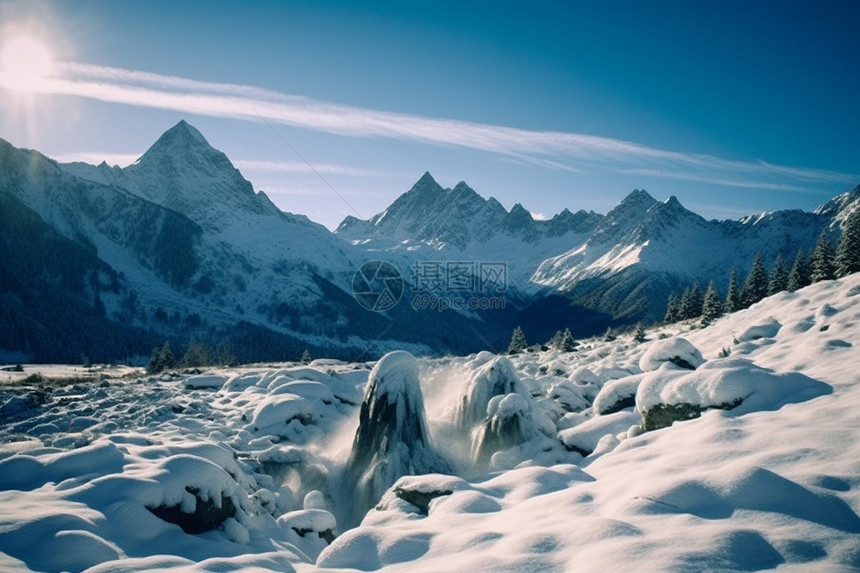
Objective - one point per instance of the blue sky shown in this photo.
(734, 107)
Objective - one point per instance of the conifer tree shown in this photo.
(848, 250)
(161, 358)
(518, 341)
(755, 285)
(568, 344)
(733, 294)
(712, 307)
(306, 357)
(691, 302)
(778, 280)
(821, 260)
(609, 336)
(555, 341)
(639, 334)
(798, 277)
(673, 307)
(196, 355)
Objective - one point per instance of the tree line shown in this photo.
(824, 263)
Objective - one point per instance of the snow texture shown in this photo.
(768, 484)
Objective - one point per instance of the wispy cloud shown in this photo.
(547, 148)
(264, 166)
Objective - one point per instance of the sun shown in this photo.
(25, 62)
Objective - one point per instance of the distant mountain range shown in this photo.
(102, 263)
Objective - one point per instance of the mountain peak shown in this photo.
(183, 172)
(462, 186)
(182, 137)
(639, 197)
(426, 180)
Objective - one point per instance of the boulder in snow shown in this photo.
(617, 395)
(670, 395)
(677, 351)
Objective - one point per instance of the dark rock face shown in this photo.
(622, 404)
(207, 514)
(664, 415)
(328, 535)
(420, 499)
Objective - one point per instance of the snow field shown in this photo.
(258, 455)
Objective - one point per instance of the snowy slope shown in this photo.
(623, 264)
(644, 248)
(193, 245)
(257, 455)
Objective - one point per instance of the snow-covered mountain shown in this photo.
(186, 249)
(645, 248)
(104, 262)
(178, 246)
(622, 264)
(430, 222)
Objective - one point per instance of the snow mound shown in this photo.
(587, 381)
(676, 350)
(568, 395)
(310, 530)
(584, 438)
(765, 329)
(283, 414)
(726, 384)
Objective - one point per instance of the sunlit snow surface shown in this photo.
(773, 482)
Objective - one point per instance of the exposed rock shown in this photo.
(420, 499)
(664, 415)
(207, 514)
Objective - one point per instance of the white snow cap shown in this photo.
(395, 373)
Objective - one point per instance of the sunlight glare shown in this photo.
(25, 61)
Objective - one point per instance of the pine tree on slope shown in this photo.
(639, 335)
(755, 286)
(518, 341)
(778, 280)
(798, 277)
(848, 251)
(568, 344)
(712, 307)
(691, 302)
(821, 261)
(673, 309)
(733, 295)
